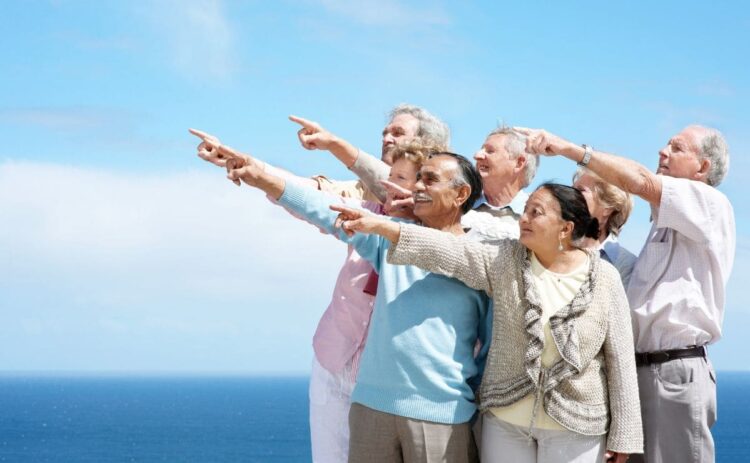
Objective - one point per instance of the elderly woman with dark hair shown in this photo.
(560, 381)
(611, 206)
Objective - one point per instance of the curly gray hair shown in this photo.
(714, 147)
(432, 131)
(515, 144)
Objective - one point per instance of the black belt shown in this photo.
(647, 358)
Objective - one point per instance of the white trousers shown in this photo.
(330, 400)
(503, 442)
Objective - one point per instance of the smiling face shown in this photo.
(404, 174)
(541, 224)
(435, 195)
(495, 164)
(402, 128)
(680, 158)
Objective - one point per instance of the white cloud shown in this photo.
(61, 119)
(199, 37)
(180, 260)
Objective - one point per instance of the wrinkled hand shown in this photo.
(615, 457)
(210, 149)
(312, 136)
(249, 172)
(397, 197)
(540, 141)
(356, 221)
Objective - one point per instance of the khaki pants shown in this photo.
(379, 437)
(678, 405)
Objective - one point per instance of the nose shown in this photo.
(388, 139)
(479, 155)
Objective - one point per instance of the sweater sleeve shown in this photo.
(625, 431)
(371, 171)
(313, 206)
(446, 254)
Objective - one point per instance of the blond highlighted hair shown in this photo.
(621, 202)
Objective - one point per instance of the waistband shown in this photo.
(648, 358)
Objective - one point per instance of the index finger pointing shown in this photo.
(396, 188)
(199, 133)
(303, 122)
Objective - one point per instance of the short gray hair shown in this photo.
(431, 131)
(714, 147)
(515, 144)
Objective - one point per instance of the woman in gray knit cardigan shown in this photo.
(560, 382)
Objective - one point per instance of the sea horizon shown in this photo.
(190, 417)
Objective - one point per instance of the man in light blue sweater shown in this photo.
(414, 396)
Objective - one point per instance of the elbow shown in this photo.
(645, 185)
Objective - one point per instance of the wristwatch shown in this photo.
(587, 150)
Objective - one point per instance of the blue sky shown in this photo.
(122, 251)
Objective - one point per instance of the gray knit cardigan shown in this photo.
(593, 389)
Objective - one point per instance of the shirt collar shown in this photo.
(517, 204)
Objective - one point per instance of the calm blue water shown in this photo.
(112, 420)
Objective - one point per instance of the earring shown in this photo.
(560, 246)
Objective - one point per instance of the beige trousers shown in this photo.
(678, 406)
(379, 437)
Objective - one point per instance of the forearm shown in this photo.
(443, 253)
(272, 185)
(371, 171)
(621, 172)
(344, 151)
(288, 176)
(388, 229)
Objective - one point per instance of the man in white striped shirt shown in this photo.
(678, 286)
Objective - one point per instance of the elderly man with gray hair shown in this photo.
(505, 167)
(678, 286)
(406, 122)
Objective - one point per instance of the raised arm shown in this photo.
(624, 173)
(368, 168)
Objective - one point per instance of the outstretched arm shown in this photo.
(212, 150)
(368, 168)
(624, 173)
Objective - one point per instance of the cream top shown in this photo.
(556, 290)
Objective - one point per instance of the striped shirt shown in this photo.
(678, 286)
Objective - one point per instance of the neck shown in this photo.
(560, 261)
(603, 234)
(450, 224)
(501, 193)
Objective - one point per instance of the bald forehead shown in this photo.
(693, 135)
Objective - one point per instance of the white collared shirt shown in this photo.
(678, 285)
(494, 223)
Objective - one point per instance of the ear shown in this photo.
(462, 194)
(567, 229)
(521, 162)
(703, 171)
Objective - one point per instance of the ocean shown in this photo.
(210, 419)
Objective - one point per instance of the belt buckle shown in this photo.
(658, 357)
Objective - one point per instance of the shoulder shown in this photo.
(674, 189)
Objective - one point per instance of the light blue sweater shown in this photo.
(419, 358)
